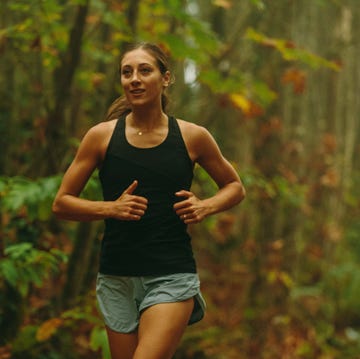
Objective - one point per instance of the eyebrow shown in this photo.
(142, 64)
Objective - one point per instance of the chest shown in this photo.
(146, 140)
(165, 168)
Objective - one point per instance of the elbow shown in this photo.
(242, 192)
(56, 209)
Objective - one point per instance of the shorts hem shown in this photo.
(121, 331)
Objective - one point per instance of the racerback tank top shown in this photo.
(158, 243)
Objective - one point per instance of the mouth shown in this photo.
(137, 91)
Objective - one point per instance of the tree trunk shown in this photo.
(79, 263)
(63, 78)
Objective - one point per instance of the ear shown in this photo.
(166, 79)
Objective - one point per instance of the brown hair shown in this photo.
(121, 106)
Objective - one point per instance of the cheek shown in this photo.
(123, 82)
(125, 85)
(158, 84)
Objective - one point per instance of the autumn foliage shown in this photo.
(280, 273)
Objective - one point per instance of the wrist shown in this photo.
(209, 207)
(106, 209)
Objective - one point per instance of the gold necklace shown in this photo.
(141, 132)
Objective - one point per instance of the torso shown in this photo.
(158, 243)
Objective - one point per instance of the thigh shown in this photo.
(161, 328)
(117, 303)
(122, 345)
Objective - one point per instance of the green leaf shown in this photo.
(234, 83)
(290, 52)
(25, 265)
(180, 48)
(25, 340)
(203, 36)
(305, 291)
(3, 186)
(98, 340)
(35, 195)
(18, 251)
(9, 272)
(259, 4)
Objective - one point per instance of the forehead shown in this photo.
(138, 56)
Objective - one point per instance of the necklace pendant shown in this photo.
(139, 133)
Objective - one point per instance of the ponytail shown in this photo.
(118, 108)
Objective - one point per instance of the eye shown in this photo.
(126, 72)
(146, 70)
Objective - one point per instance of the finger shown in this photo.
(139, 201)
(134, 215)
(191, 219)
(183, 193)
(184, 211)
(180, 205)
(141, 205)
(131, 188)
(187, 219)
(184, 216)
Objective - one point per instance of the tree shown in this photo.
(281, 99)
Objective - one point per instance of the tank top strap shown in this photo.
(173, 126)
(175, 136)
(118, 134)
(174, 131)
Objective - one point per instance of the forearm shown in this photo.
(227, 197)
(78, 209)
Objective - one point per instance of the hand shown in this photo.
(191, 210)
(129, 207)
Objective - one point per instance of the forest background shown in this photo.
(277, 83)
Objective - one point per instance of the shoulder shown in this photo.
(100, 134)
(102, 129)
(193, 131)
(198, 139)
(97, 138)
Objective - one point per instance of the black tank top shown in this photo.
(158, 243)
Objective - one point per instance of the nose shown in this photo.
(135, 77)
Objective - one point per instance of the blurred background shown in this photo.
(277, 83)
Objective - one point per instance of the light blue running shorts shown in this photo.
(122, 299)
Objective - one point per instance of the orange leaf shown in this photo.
(330, 178)
(329, 143)
(255, 110)
(223, 3)
(93, 19)
(97, 79)
(248, 107)
(295, 77)
(5, 352)
(48, 329)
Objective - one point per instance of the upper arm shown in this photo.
(87, 159)
(207, 154)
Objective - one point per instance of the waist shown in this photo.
(157, 251)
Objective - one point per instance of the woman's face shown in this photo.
(141, 78)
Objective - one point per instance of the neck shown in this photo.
(146, 119)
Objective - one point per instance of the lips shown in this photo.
(137, 91)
